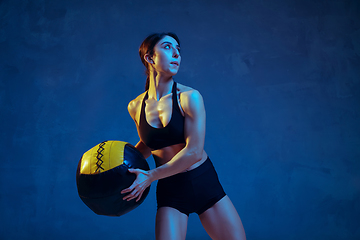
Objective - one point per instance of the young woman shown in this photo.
(170, 120)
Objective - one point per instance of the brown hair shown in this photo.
(147, 47)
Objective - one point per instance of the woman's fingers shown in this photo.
(128, 197)
(129, 189)
(138, 199)
(134, 194)
(126, 190)
(137, 188)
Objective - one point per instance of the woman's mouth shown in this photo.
(175, 63)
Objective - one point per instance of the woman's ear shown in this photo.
(148, 59)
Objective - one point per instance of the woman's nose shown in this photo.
(176, 53)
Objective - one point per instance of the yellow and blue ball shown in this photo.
(103, 172)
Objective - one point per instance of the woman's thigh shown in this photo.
(171, 224)
(222, 221)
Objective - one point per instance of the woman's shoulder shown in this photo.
(187, 91)
(189, 97)
(135, 104)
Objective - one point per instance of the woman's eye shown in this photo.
(167, 46)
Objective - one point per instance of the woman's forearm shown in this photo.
(181, 161)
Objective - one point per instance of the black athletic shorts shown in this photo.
(193, 191)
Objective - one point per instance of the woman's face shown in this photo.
(166, 58)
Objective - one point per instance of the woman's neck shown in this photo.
(159, 86)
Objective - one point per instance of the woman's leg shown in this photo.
(222, 221)
(170, 224)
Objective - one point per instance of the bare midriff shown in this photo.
(164, 155)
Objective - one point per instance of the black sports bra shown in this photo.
(171, 134)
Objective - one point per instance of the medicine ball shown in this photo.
(102, 173)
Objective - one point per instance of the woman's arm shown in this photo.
(195, 117)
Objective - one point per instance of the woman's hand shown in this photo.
(138, 187)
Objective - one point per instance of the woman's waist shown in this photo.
(165, 157)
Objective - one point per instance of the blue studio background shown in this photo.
(281, 85)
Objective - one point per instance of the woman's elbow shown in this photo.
(197, 154)
(143, 149)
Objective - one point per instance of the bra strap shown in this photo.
(142, 113)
